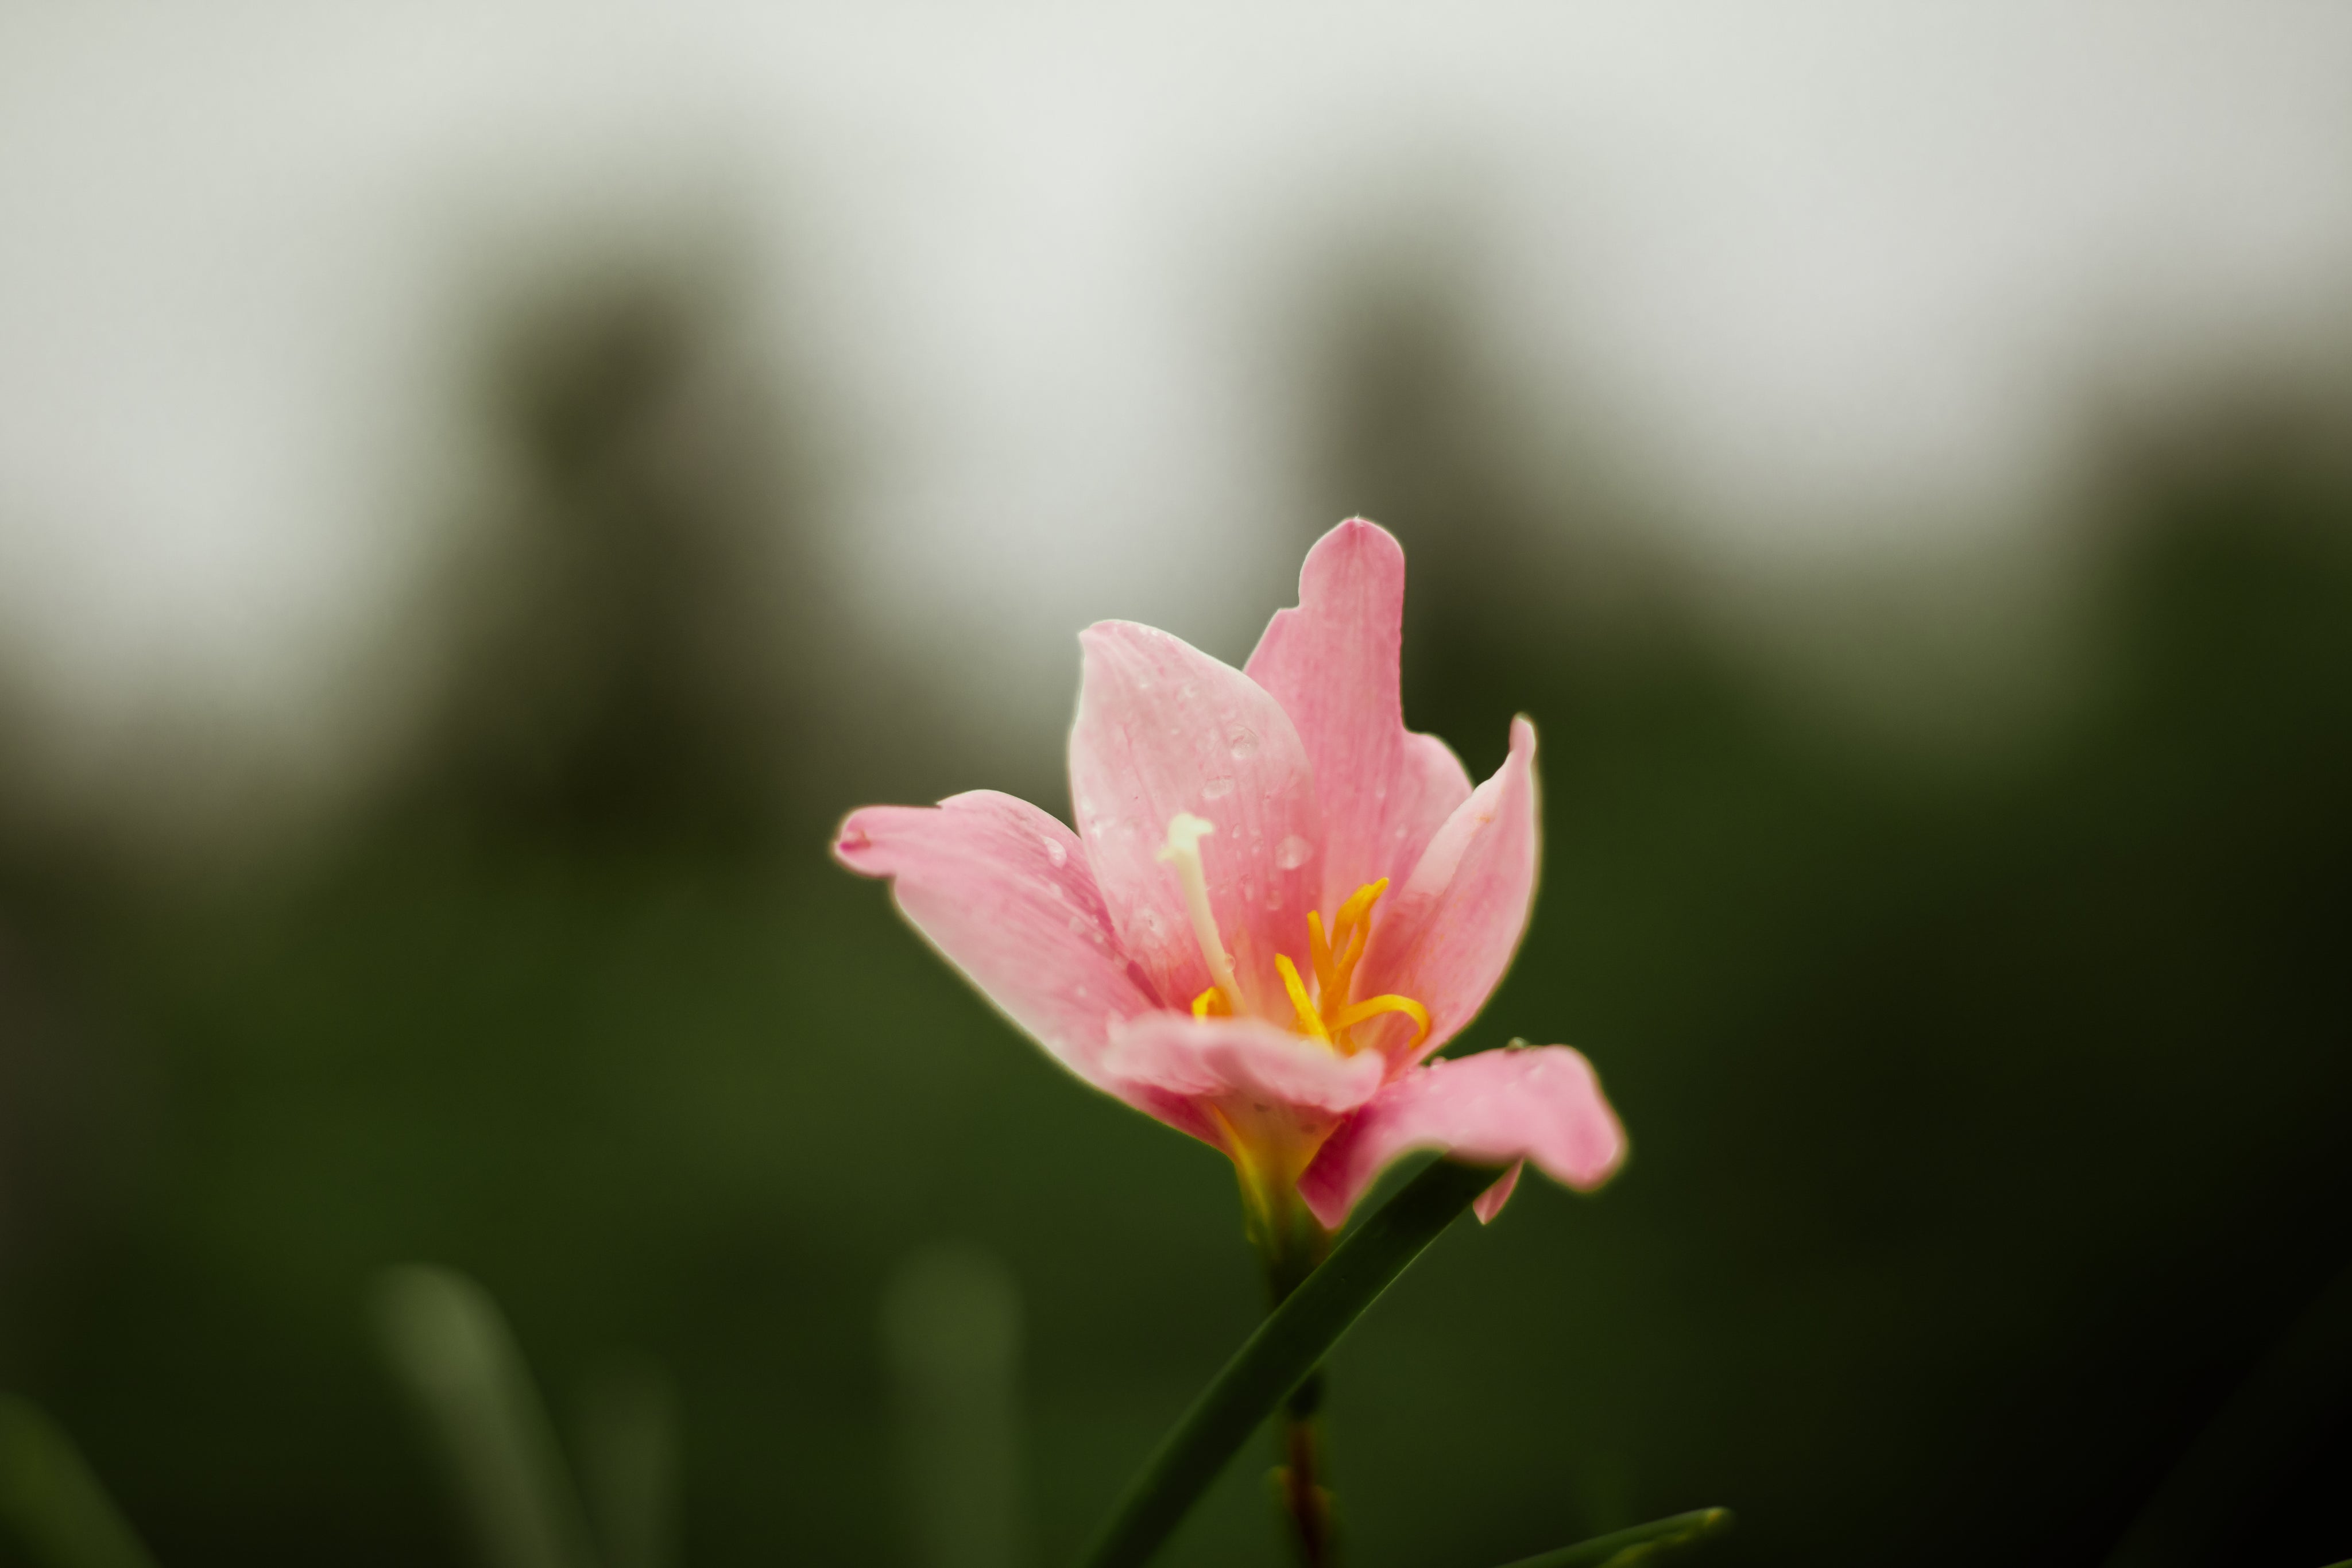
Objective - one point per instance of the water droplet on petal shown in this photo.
(1216, 788)
(1055, 853)
(1293, 852)
(1243, 739)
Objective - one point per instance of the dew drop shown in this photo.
(1188, 690)
(1216, 788)
(1243, 739)
(1292, 853)
(1055, 853)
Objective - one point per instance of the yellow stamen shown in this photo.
(1327, 1016)
(1351, 931)
(1375, 1006)
(1360, 904)
(1318, 948)
(1309, 1020)
(1181, 854)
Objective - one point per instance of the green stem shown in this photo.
(1300, 1479)
(1293, 1244)
(1278, 1358)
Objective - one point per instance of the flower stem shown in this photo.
(1300, 1479)
(1293, 1244)
(1279, 1357)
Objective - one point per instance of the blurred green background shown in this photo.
(1987, 1072)
(1961, 922)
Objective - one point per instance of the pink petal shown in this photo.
(1332, 665)
(1003, 890)
(1490, 1202)
(1447, 936)
(1501, 1106)
(1163, 729)
(1241, 1061)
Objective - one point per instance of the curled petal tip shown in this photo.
(853, 843)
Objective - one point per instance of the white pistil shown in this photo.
(1181, 854)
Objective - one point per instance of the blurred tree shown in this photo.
(638, 634)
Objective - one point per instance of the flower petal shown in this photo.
(1490, 1202)
(1540, 1103)
(1003, 890)
(1163, 729)
(1447, 936)
(1241, 1060)
(1331, 663)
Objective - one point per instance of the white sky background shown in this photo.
(1824, 256)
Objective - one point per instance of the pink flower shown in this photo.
(1279, 901)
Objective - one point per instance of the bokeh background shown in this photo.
(483, 489)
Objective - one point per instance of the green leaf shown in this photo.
(450, 1346)
(52, 1502)
(1643, 1543)
(1275, 1360)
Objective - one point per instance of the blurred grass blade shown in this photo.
(52, 1503)
(1278, 1358)
(628, 1464)
(950, 1325)
(450, 1348)
(1643, 1543)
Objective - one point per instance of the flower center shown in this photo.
(1326, 1013)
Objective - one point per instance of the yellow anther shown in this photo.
(1318, 948)
(1343, 967)
(1349, 932)
(1309, 1020)
(1211, 1003)
(1376, 1006)
(1360, 904)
